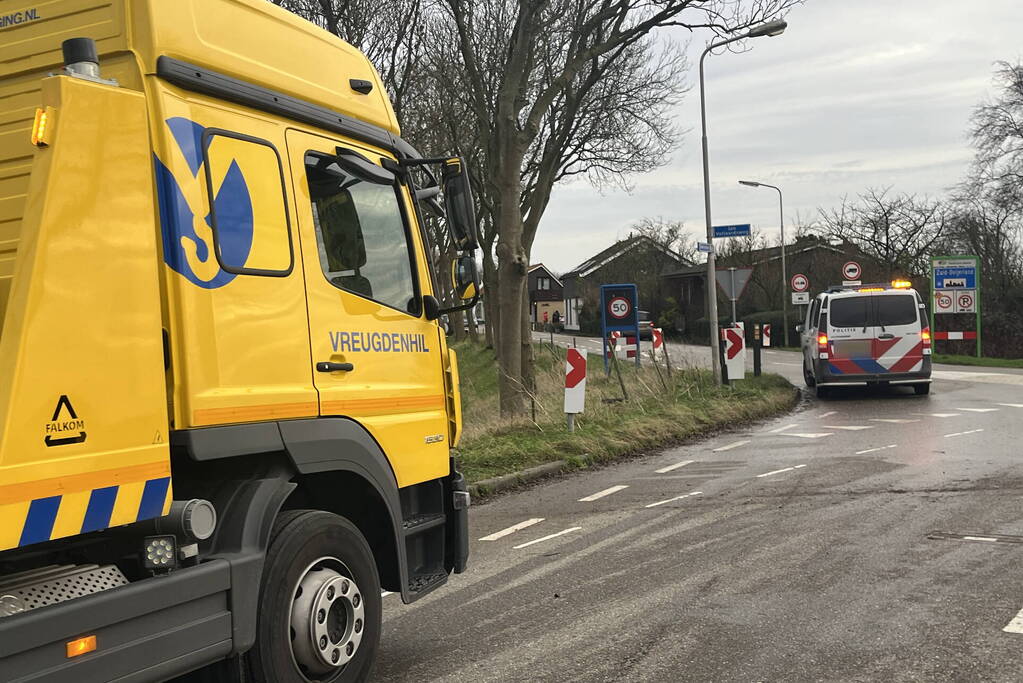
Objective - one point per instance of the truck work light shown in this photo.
(160, 552)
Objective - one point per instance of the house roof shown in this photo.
(761, 256)
(547, 270)
(618, 249)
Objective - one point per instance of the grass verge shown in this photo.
(660, 411)
(984, 361)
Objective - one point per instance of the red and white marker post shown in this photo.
(766, 336)
(575, 384)
(735, 353)
(656, 343)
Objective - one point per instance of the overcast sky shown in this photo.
(855, 94)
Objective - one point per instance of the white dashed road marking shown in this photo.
(512, 529)
(980, 410)
(1016, 625)
(779, 430)
(384, 594)
(787, 469)
(1012, 405)
(939, 414)
(547, 538)
(879, 448)
(672, 500)
(669, 468)
(731, 446)
(850, 428)
(605, 492)
(980, 538)
(972, 431)
(829, 413)
(810, 435)
(893, 420)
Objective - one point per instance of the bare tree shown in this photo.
(896, 229)
(997, 128)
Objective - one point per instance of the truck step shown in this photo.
(421, 522)
(50, 585)
(424, 583)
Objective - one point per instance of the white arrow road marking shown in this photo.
(787, 469)
(893, 420)
(972, 431)
(731, 446)
(980, 538)
(677, 465)
(1012, 405)
(672, 500)
(811, 435)
(879, 448)
(605, 492)
(779, 430)
(512, 529)
(980, 410)
(851, 428)
(827, 414)
(547, 538)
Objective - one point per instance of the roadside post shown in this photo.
(721, 353)
(618, 304)
(735, 352)
(612, 342)
(575, 384)
(757, 343)
(766, 334)
(955, 289)
(656, 344)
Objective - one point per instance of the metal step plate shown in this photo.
(50, 585)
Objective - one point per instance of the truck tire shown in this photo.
(320, 586)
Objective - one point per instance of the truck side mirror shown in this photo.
(458, 205)
(465, 277)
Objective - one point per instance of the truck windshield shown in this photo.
(849, 311)
(895, 310)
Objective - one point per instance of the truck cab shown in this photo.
(228, 414)
(867, 335)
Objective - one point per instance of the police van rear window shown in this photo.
(849, 311)
(896, 310)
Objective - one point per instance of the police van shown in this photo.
(867, 335)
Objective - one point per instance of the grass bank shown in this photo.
(660, 411)
(983, 361)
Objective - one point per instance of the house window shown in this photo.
(544, 283)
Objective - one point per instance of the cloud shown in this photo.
(853, 95)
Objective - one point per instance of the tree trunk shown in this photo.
(528, 373)
(457, 322)
(490, 294)
(511, 276)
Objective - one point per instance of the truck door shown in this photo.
(376, 358)
(898, 346)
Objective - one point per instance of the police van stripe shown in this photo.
(74, 512)
(101, 506)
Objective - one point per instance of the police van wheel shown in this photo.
(922, 389)
(319, 603)
(808, 379)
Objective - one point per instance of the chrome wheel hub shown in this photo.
(328, 616)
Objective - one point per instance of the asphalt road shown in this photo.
(876, 536)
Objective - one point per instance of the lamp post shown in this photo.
(784, 272)
(770, 28)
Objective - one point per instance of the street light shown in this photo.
(770, 28)
(784, 272)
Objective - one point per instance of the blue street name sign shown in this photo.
(741, 230)
(703, 246)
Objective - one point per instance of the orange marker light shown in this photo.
(81, 646)
(871, 289)
(39, 128)
(901, 284)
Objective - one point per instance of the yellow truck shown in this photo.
(227, 410)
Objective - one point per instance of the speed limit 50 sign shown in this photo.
(619, 308)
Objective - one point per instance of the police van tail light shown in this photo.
(925, 336)
(822, 342)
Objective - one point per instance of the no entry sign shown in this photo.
(800, 283)
(851, 270)
(575, 380)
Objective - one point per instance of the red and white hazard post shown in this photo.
(656, 342)
(766, 336)
(735, 352)
(575, 384)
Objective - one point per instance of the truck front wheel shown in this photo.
(319, 603)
